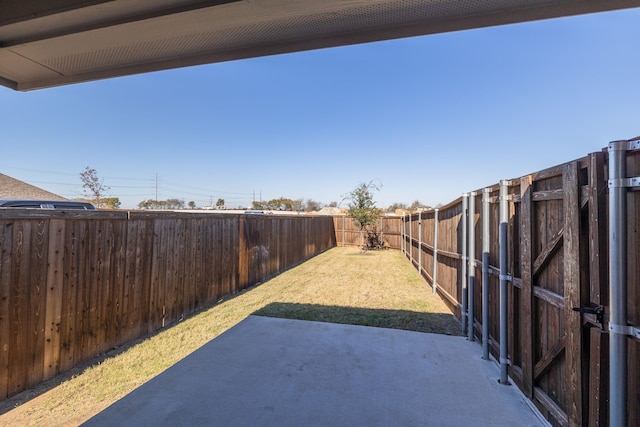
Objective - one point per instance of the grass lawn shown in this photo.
(341, 285)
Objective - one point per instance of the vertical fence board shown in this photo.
(598, 382)
(6, 255)
(53, 287)
(597, 231)
(94, 283)
(572, 297)
(526, 268)
(82, 322)
(37, 288)
(19, 308)
(156, 295)
(69, 295)
(118, 269)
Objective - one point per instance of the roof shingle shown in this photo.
(11, 188)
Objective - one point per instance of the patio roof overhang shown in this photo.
(45, 43)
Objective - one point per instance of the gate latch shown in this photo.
(598, 310)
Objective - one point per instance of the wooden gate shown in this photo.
(557, 341)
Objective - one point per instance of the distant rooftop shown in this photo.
(11, 188)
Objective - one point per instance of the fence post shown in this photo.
(504, 277)
(404, 235)
(343, 225)
(472, 262)
(618, 327)
(486, 224)
(411, 239)
(463, 220)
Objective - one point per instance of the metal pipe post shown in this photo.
(504, 278)
(411, 238)
(435, 251)
(404, 235)
(463, 220)
(486, 224)
(617, 284)
(472, 263)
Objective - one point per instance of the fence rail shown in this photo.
(556, 254)
(74, 285)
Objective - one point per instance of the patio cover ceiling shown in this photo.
(46, 43)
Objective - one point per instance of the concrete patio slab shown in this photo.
(281, 372)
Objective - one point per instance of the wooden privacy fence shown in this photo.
(74, 285)
(557, 259)
(348, 233)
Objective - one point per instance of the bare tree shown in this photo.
(93, 186)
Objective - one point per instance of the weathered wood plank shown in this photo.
(453, 255)
(598, 381)
(69, 296)
(548, 173)
(54, 291)
(549, 296)
(549, 357)
(116, 274)
(572, 294)
(244, 246)
(556, 412)
(19, 306)
(598, 265)
(47, 214)
(80, 352)
(6, 255)
(584, 195)
(156, 292)
(105, 294)
(37, 288)
(517, 282)
(555, 194)
(526, 266)
(548, 251)
(144, 274)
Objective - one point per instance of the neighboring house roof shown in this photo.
(11, 188)
(331, 211)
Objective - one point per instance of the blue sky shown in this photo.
(428, 118)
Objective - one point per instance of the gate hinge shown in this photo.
(624, 182)
(598, 310)
(624, 330)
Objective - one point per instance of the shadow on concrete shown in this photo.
(437, 323)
